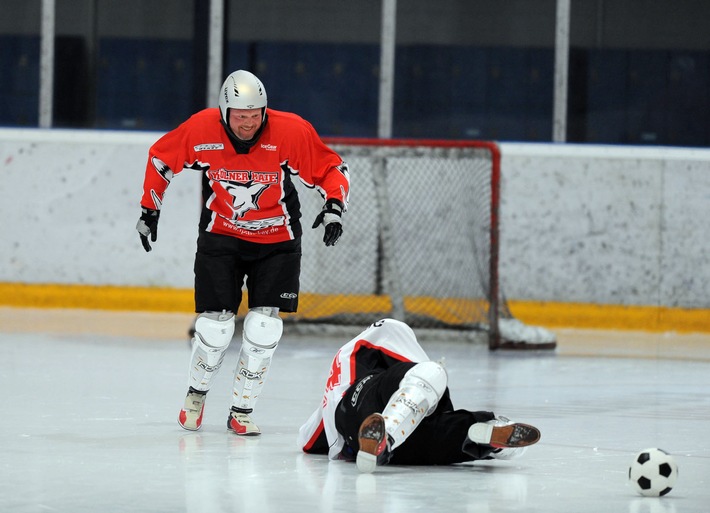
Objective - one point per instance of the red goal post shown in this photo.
(420, 242)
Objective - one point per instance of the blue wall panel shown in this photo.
(19, 80)
(144, 83)
(334, 86)
(441, 91)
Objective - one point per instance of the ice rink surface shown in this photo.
(91, 401)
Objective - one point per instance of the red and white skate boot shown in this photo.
(373, 441)
(190, 416)
(240, 422)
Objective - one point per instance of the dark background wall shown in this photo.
(639, 73)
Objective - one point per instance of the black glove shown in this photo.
(330, 217)
(148, 225)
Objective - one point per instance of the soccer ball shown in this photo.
(653, 472)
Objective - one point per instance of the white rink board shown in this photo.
(606, 224)
(579, 223)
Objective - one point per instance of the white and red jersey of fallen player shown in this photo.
(382, 344)
(248, 194)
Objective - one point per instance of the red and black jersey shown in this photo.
(247, 195)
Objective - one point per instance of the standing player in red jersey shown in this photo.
(386, 402)
(249, 227)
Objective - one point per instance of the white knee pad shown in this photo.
(262, 331)
(263, 327)
(215, 329)
(419, 392)
(213, 333)
(430, 379)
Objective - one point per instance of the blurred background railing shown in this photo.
(638, 72)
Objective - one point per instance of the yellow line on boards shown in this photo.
(313, 306)
(616, 317)
(94, 297)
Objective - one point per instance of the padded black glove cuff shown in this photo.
(148, 226)
(330, 217)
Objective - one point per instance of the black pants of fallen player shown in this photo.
(438, 440)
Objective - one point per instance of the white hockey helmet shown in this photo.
(241, 90)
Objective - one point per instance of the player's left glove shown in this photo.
(148, 226)
(331, 218)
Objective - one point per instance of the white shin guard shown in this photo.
(213, 333)
(418, 395)
(262, 331)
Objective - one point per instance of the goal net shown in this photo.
(420, 244)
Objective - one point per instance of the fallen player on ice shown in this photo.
(386, 402)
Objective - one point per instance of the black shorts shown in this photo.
(367, 395)
(272, 273)
(438, 440)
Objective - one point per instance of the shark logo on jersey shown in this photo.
(245, 196)
(237, 192)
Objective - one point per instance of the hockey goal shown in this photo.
(420, 244)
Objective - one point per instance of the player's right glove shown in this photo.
(331, 216)
(148, 226)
